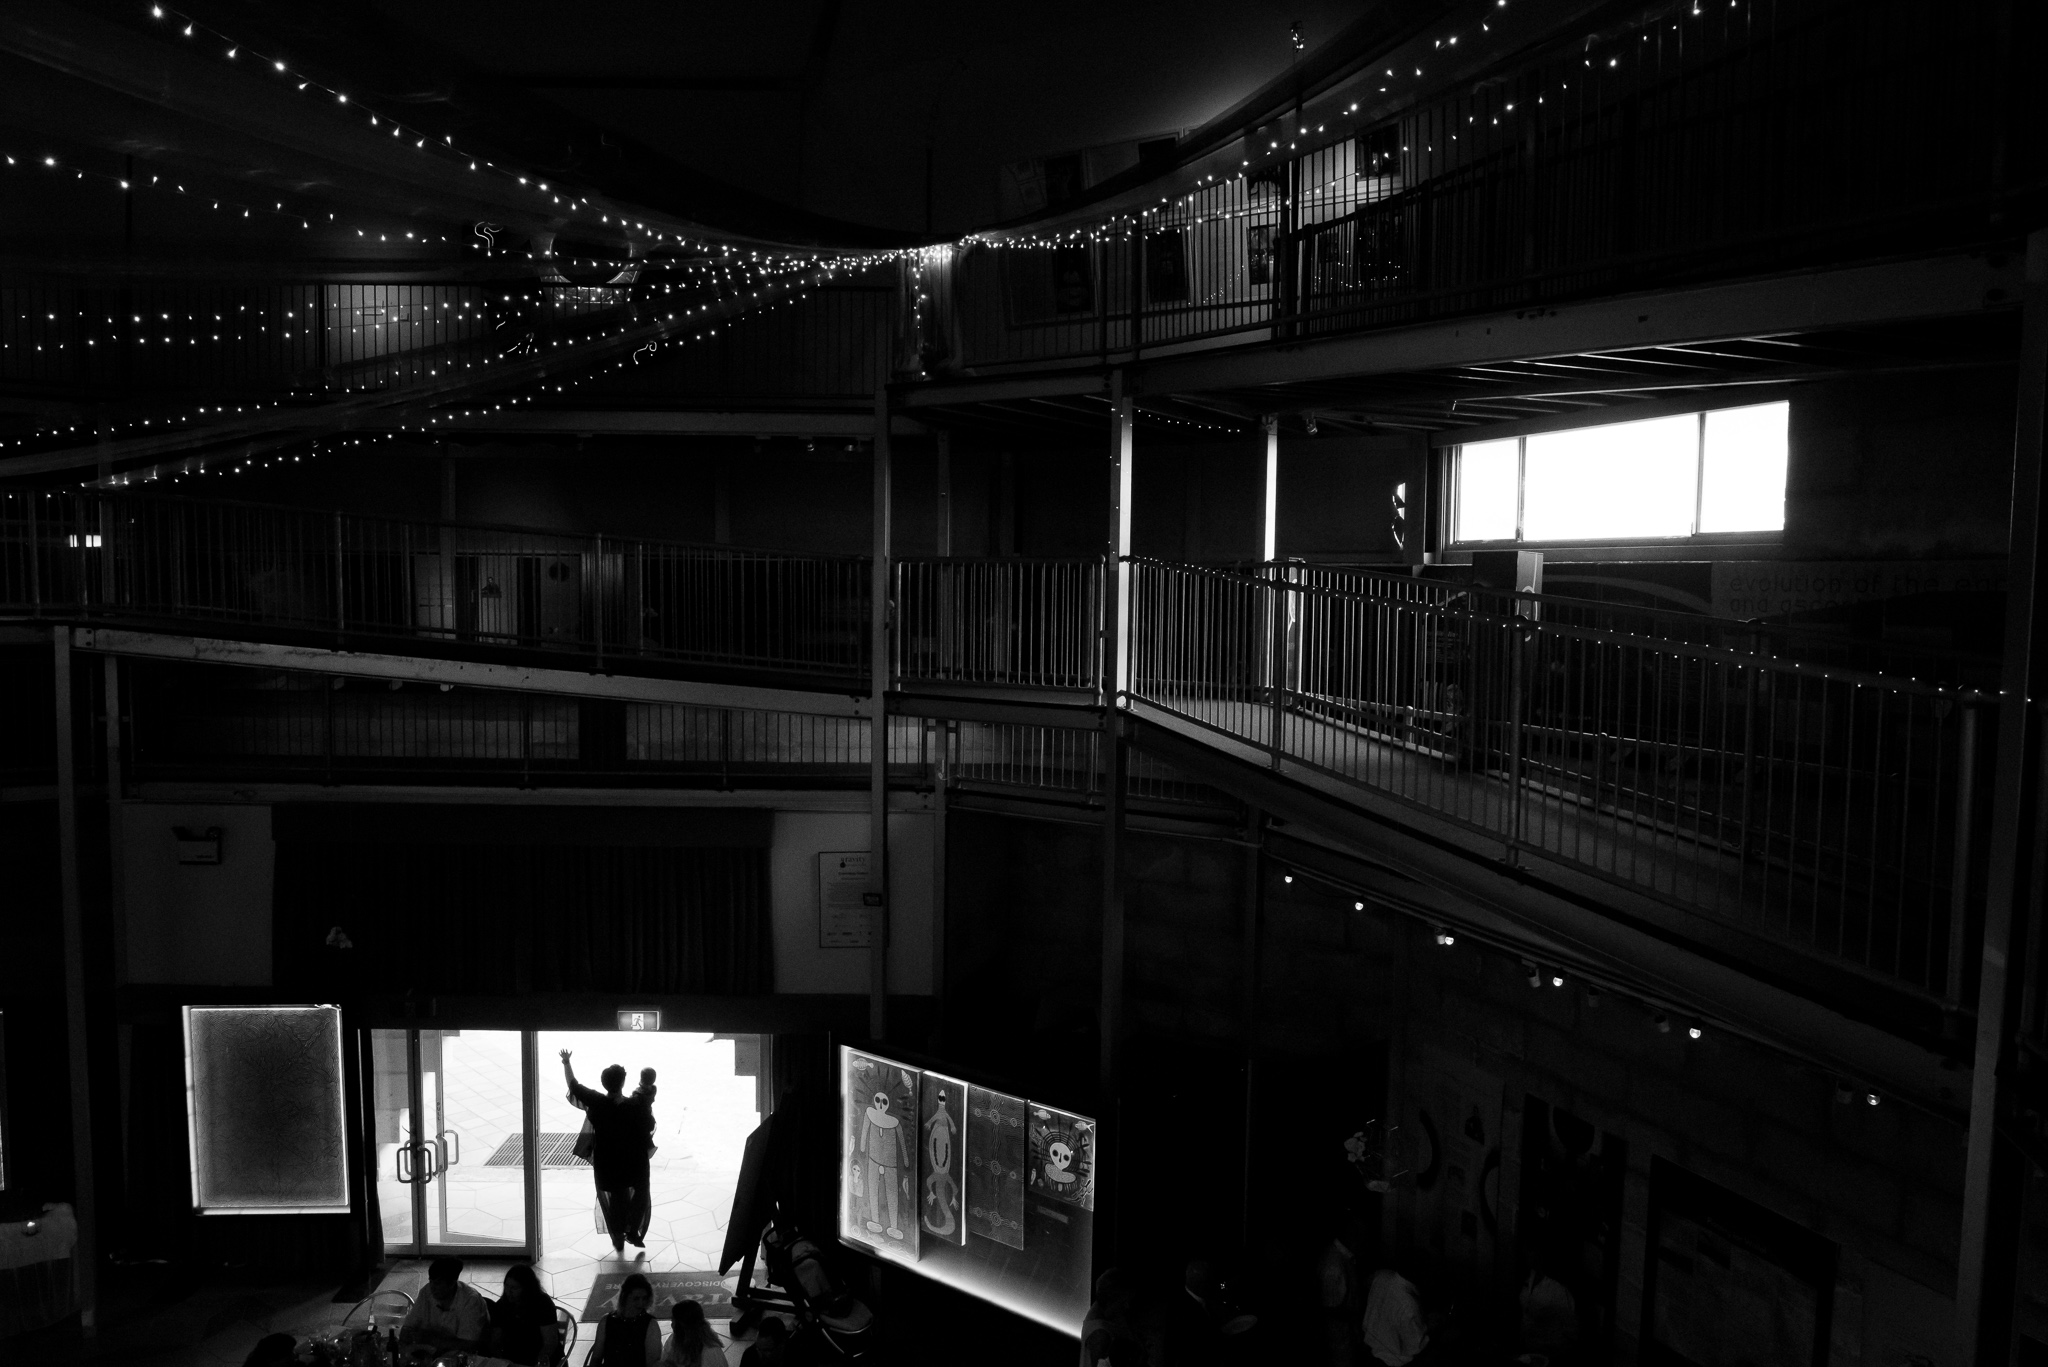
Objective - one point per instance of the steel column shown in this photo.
(1269, 535)
(878, 730)
(1992, 1174)
(1116, 624)
(76, 1016)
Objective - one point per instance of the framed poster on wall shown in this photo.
(1728, 1283)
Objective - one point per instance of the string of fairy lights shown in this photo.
(691, 274)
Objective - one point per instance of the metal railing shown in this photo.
(1676, 141)
(1015, 623)
(1825, 808)
(342, 577)
(1711, 765)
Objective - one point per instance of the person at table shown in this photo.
(448, 1313)
(628, 1336)
(523, 1327)
(618, 1149)
(692, 1342)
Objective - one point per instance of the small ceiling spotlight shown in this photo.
(1557, 980)
(1592, 996)
(1535, 973)
(1870, 1098)
(1693, 1032)
(1444, 936)
(1358, 906)
(1844, 1094)
(1287, 878)
(1662, 1022)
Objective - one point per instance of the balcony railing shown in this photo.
(338, 577)
(1673, 143)
(1771, 784)
(1827, 808)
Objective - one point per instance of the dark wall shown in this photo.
(1901, 470)
(1360, 1015)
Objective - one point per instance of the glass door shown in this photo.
(453, 1139)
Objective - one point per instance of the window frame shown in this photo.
(1520, 433)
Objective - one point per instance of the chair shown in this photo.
(380, 1310)
(566, 1322)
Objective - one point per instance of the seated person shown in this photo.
(523, 1327)
(1395, 1331)
(770, 1344)
(692, 1342)
(447, 1314)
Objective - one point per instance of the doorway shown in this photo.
(474, 1141)
(450, 1108)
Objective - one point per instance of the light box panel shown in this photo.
(263, 1097)
(987, 1192)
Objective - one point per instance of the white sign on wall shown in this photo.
(846, 906)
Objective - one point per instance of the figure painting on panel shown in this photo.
(881, 1159)
(940, 1117)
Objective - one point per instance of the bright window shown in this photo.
(1657, 479)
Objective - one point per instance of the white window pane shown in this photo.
(1486, 491)
(1742, 487)
(1623, 480)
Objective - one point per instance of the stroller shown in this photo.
(831, 1324)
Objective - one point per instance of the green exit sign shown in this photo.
(639, 1018)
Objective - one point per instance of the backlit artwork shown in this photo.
(1062, 1157)
(942, 1111)
(881, 1173)
(995, 1166)
(264, 1109)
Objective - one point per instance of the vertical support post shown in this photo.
(110, 666)
(1959, 864)
(85, 1258)
(1993, 1175)
(1116, 615)
(878, 729)
(942, 521)
(597, 599)
(340, 584)
(1269, 522)
(1115, 762)
(529, 1121)
(942, 779)
(1249, 939)
(1516, 635)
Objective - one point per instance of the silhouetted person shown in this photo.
(1107, 1332)
(1194, 1335)
(523, 1327)
(643, 1207)
(448, 1314)
(618, 1148)
(1395, 1331)
(771, 1345)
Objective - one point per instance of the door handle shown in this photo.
(430, 1156)
(402, 1159)
(443, 1139)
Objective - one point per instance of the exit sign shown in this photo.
(639, 1019)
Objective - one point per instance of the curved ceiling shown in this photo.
(895, 115)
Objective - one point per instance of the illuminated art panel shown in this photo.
(987, 1192)
(263, 1097)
